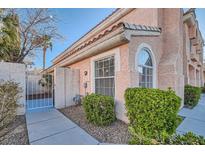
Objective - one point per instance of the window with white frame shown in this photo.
(145, 68)
(104, 76)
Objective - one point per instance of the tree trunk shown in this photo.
(44, 58)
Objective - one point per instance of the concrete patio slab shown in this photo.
(52, 127)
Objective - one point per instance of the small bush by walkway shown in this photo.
(203, 89)
(191, 96)
(116, 132)
(99, 109)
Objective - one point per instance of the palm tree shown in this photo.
(46, 44)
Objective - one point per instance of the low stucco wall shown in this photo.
(16, 73)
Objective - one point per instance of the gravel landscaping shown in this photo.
(116, 133)
(17, 134)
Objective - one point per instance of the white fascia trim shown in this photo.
(139, 48)
(114, 52)
(109, 42)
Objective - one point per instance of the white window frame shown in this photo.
(106, 77)
(114, 52)
(149, 49)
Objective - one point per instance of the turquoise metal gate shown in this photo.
(39, 91)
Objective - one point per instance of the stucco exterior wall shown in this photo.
(139, 16)
(170, 51)
(122, 81)
(83, 66)
(154, 44)
(16, 73)
(167, 50)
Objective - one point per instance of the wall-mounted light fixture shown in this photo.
(85, 73)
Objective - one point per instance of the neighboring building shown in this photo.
(193, 50)
(133, 48)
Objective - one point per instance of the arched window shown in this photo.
(145, 68)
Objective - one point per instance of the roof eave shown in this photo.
(118, 13)
(115, 39)
(189, 19)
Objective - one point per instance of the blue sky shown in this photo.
(72, 25)
(76, 22)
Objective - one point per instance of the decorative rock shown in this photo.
(116, 133)
(17, 134)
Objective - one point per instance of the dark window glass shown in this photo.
(145, 69)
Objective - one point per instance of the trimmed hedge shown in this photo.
(99, 109)
(152, 114)
(203, 89)
(191, 95)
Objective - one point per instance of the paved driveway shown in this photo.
(194, 119)
(52, 127)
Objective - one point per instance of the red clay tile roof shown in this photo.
(113, 28)
(141, 27)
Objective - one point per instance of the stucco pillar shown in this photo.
(66, 86)
(122, 80)
(59, 88)
(170, 70)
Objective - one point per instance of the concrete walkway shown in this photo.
(194, 119)
(51, 127)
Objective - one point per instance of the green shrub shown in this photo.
(191, 95)
(9, 95)
(203, 89)
(186, 139)
(152, 114)
(99, 109)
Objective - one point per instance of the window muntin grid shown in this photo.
(104, 76)
(145, 69)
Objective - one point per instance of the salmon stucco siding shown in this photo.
(152, 48)
(121, 58)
